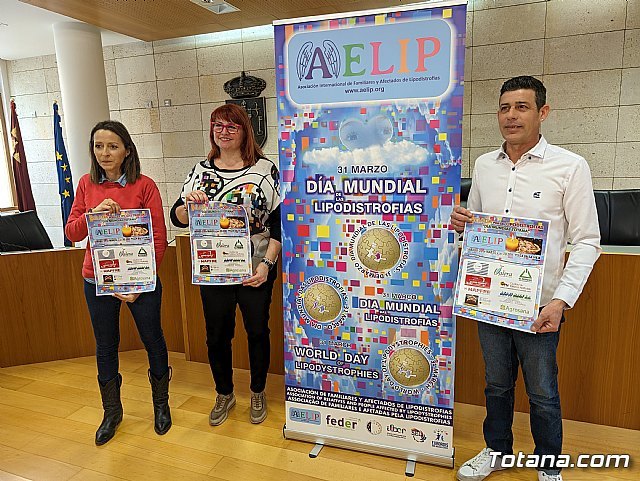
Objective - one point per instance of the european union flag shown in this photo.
(65, 182)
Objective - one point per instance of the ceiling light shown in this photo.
(216, 6)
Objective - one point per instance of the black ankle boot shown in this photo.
(112, 406)
(160, 392)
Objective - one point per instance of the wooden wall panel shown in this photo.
(43, 312)
(598, 357)
(44, 316)
(195, 333)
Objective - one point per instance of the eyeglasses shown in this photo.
(231, 128)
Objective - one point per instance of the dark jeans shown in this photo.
(503, 349)
(105, 318)
(219, 303)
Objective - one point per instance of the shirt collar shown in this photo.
(122, 180)
(537, 150)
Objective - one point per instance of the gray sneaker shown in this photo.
(258, 407)
(219, 413)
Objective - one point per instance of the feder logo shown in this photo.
(342, 423)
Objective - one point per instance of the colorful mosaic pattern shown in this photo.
(330, 222)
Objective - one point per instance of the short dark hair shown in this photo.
(527, 82)
(130, 165)
(250, 150)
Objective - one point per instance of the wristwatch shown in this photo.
(269, 263)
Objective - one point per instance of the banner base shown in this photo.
(410, 470)
(315, 451)
(444, 461)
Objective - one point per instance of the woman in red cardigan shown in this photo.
(115, 183)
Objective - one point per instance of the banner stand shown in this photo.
(369, 448)
(370, 153)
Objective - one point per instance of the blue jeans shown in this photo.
(105, 319)
(503, 349)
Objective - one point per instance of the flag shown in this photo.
(19, 162)
(65, 182)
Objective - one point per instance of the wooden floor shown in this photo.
(49, 413)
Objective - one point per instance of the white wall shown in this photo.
(189, 71)
(587, 54)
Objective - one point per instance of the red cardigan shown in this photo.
(141, 194)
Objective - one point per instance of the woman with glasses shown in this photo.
(236, 171)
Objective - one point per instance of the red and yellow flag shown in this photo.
(19, 160)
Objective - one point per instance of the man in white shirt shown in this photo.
(528, 177)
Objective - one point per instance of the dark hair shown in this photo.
(131, 164)
(526, 82)
(250, 150)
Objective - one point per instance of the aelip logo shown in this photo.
(304, 415)
(310, 57)
(325, 58)
(370, 62)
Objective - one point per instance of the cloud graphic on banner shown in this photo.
(390, 154)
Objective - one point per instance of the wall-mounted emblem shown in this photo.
(244, 91)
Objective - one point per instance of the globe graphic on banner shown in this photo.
(409, 367)
(322, 302)
(378, 249)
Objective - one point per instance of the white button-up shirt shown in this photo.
(547, 183)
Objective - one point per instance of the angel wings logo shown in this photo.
(325, 57)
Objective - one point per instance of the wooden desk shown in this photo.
(44, 316)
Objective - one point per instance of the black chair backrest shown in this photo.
(465, 187)
(23, 231)
(602, 206)
(624, 213)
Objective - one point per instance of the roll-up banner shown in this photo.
(370, 142)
